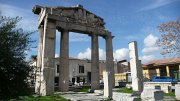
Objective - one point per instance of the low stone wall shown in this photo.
(164, 86)
(152, 95)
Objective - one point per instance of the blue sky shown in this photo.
(128, 20)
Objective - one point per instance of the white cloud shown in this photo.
(146, 58)
(150, 49)
(150, 44)
(87, 54)
(29, 20)
(102, 54)
(121, 54)
(56, 55)
(150, 40)
(156, 4)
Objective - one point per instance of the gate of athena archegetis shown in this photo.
(65, 20)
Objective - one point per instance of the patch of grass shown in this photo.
(46, 98)
(125, 90)
(139, 99)
(169, 94)
(85, 89)
(108, 99)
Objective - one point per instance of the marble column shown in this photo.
(167, 71)
(95, 62)
(48, 55)
(137, 82)
(64, 62)
(108, 74)
(39, 60)
(157, 71)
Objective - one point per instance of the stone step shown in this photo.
(98, 91)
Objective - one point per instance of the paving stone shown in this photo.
(81, 96)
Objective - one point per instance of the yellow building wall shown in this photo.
(149, 72)
(146, 73)
(120, 76)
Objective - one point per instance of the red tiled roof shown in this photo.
(163, 61)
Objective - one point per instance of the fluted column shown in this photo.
(39, 60)
(48, 55)
(95, 63)
(64, 62)
(108, 74)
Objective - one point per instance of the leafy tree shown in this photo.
(170, 38)
(34, 58)
(14, 70)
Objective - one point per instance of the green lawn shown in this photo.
(85, 89)
(169, 94)
(125, 90)
(46, 98)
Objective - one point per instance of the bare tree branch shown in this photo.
(170, 38)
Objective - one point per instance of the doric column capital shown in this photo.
(108, 37)
(62, 30)
(93, 35)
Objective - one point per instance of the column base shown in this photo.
(47, 83)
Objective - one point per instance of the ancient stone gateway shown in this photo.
(65, 20)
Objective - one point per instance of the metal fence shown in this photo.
(126, 77)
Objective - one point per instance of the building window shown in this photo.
(57, 68)
(81, 69)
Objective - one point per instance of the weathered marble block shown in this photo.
(177, 91)
(152, 95)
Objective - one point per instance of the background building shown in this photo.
(80, 70)
(163, 67)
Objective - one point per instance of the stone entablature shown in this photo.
(75, 19)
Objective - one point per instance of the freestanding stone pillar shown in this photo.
(48, 54)
(137, 82)
(108, 74)
(95, 63)
(64, 62)
(39, 60)
(177, 91)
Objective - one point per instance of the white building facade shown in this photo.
(79, 70)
